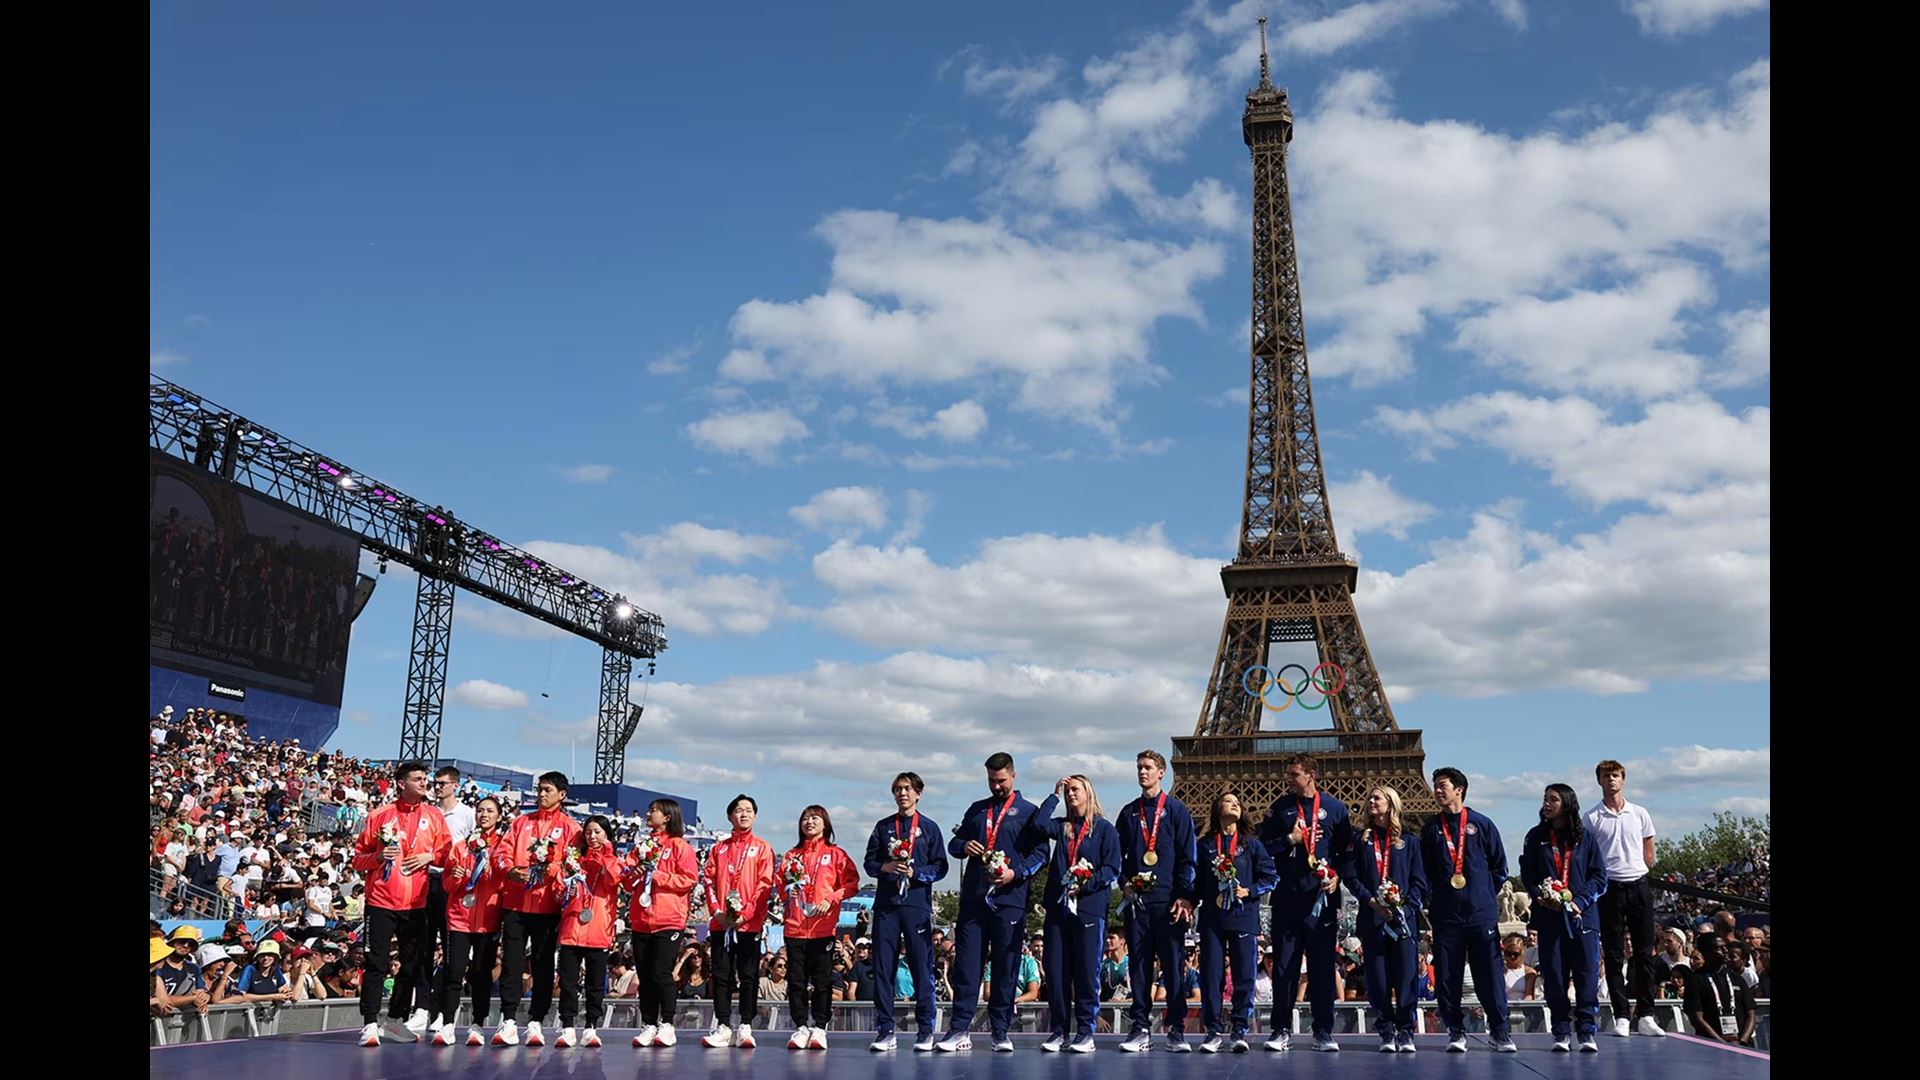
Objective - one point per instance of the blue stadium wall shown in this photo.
(273, 716)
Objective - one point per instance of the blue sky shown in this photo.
(898, 359)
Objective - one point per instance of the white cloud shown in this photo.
(960, 422)
(745, 365)
(481, 694)
(1356, 24)
(1513, 11)
(1368, 504)
(165, 357)
(1096, 767)
(1679, 594)
(1139, 107)
(678, 547)
(837, 509)
(1011, 82)
(916, 301)
(1746, 806)
(485, 615)
(1674, 17)
(661, 774)
(919, 462)
(1674, 767)
(1677, 446)
(671, 362)
(1047, 598)
(939, 716)
(1402, 222)
(657, 572)
(918, 504)
(588, 474)
(753, 433)
(1749, 354)
(1615, 342)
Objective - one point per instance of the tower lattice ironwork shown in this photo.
(1289, 581)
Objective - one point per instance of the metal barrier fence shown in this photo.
(1351, 1018)
(201, 903)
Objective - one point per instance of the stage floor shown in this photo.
(333, 1055)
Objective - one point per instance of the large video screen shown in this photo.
(246, 589)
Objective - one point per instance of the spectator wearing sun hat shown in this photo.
(177, 980)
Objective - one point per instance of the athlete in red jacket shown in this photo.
(586, 925)
(476, 872)
(661, 870)
(739, 875)
(813, 878)
(531, 905)
(396, 845)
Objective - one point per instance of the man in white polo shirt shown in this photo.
(1624, 832)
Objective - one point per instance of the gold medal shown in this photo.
(1459, 881)
(1312, 860)
(1151, 858)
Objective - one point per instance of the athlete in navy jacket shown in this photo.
(1465, 865)
(1076, 915)
(1305, 831)
(1230, 918)
(1381, 852)
(1156, 837)
(903, 905)
(1561, 849)
(991, 911)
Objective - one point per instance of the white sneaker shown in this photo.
(959, 1040)
(1177, 1043)
(1003, 1045)
(645, 1037)
(1563, 1044)
(1588, 1045)
(1279, 1041)
(1622, 1028)
(1137, 1042)
(925, 1045)
(534, 1037)
(1505, 1046)
(817, 1039)
(722, 1035)
(590, 1038)
(443, 1035)
(1240, 1043)
(476, 1036)
(1403, 1043)
(798, 1040)
(1325, 1044)
(1456, 1042)
(370, 1035)
(1649, 1026)
(396, 1030)
(565, 1041)
(883, 1044)
(1386, 1044)
(1054, 1042)
(419, 1022)
(664, 1036)
(743, 1037)
(1082, 1044)
(1213, 1043)
(507, 1034)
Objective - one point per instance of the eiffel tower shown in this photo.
(1289, 582)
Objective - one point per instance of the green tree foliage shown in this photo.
(1724, 841)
